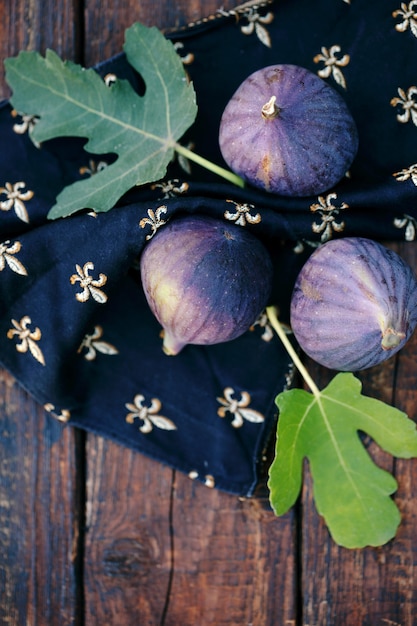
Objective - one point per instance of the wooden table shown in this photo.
(91, 533)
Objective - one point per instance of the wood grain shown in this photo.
(92, 533)
(40, 511)
(127, 553)
(234, 561)
(107, 21)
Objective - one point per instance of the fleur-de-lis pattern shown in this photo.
(8, 252)
(243, 214)
(332, 64)
(110, 79)
(408, 15)
(238, 408)
(329, 214)
(90, 286)
(208, 480)
(26, 124)
(62, 415)
(171, 188)
(93, 343)
(409, 224)
(16, 199)
(263, 322)
(187, 58)
(93, 167)
(407, 101)
(408, 173)
(257, 24)
(28, 338)
(154, 220)
(148, 415)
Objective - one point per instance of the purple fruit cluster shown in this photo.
(354, 303)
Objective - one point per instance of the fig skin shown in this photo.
(354, 304)
(288, 132)
(205, 281)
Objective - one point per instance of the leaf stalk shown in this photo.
(277, 326)
(209, 165)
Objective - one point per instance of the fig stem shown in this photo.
(209, 165)
(270, 109)
(277, 326)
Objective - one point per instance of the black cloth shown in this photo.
(75, 329)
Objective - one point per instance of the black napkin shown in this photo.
(75, 329)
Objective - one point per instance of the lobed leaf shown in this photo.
(351, 492)
(75, 102)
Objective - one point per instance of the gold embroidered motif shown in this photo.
(171, 188)
(238, 408)
(154, 220)
(209, 481)
(256, 24)
(328, 213)
(16, 199)
(7, 252)
(332, 64)
(208, 478)
(93, 345)
(110, 79)
(301, 245)
(26, 125)
(409, 17)
(408, 104)
(149, 415)
(406, 174)
(63, 416)
(90, 286)
(409, 223)
(263, 322)
(242, 214)
(188, 58)
(93, 167)
(27, 338)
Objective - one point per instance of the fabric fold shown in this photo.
(75, 328)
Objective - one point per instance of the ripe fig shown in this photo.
(205, 281)
(354, 304)
(288, 132)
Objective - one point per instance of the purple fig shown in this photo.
(287, 131)
(354, 304)
(205, 281)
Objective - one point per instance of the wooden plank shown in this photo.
(234, 561)
(128, 542)
(39, 487)
(106, 21)
(181, 553)
(374, 585)
(37, 25)
(39, 514)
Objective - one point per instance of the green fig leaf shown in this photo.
(350, 491)
(142, 131)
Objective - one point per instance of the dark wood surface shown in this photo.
(93, 534)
